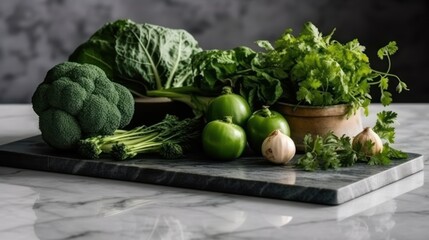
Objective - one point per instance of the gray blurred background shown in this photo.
(37, 34)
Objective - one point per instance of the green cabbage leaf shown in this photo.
(141, 57)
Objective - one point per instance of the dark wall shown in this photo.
(37, 34)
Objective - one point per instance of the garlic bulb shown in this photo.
(278, 147)
(360, 142)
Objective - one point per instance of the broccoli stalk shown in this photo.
(170, 138)
(194, 97)
(92, 147)
(129, 148)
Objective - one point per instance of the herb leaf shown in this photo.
(384, 125)
(387, 50)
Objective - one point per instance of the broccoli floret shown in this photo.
(90, 147)
(171, 150)
(77, 101)
(120, 151)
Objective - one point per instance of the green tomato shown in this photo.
(229, 104)
(223, 140)
(261, 124)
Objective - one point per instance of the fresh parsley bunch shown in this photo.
(333, 152)
(322, 71)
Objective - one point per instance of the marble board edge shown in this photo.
(108, 170)
(364, 186)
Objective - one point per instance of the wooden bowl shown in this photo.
(319, 121)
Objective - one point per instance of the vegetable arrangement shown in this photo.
(308, 69)
(84, 104)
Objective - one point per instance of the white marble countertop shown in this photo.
(42, 205)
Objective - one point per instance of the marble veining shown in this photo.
(43, 205)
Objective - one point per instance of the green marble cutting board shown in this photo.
(248, 175)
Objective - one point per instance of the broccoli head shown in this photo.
(77, 101)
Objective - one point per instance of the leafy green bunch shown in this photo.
(322, 71)
(332, 152)
(251, 74)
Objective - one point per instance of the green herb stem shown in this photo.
(384, 74)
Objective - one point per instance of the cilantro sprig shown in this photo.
(386, 131)
(383, 77)
(333, 152)
(326, 152)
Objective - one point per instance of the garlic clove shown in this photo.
(278, 148)
(360, 142)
